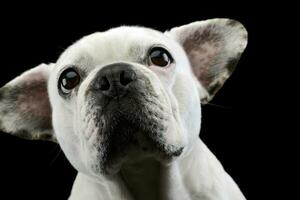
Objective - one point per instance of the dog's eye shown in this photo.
(160, 57)
(68, 80)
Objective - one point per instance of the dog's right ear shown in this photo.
(25, 109)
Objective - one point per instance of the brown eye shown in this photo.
(68, 80)
(160, 57)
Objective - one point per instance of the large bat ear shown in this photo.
(213, 48)
(24, 105)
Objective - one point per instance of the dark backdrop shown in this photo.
(236, 125)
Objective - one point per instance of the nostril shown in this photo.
(104, 83)
(126, 77)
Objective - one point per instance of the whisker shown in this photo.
(56, 156)
(218, 106)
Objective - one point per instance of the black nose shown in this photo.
(114, 79)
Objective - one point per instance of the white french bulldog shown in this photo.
(125, 107)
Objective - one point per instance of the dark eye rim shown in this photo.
(60, 88)
(160, 47)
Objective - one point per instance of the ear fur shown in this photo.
(213, 48)
(24, 105)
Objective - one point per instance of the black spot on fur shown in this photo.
(5, 92)
(200, 37)
(231, 22)
(48, 136)
(24, 134)
(1, 94)
(231, 64)
(177, 152)
(213, 89)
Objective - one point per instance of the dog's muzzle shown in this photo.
(127, 114)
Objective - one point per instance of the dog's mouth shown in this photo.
(133, 129)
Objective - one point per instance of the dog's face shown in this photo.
(126, 94)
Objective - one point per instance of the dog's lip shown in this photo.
(143, 137)
(135, 150)
(116, 166)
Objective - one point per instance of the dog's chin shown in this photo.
(135, 156)
(132, 141)
(131, 129)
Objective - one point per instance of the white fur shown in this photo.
(196, 173)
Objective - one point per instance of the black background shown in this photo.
(239, 126)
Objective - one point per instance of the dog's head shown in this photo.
(125, 94)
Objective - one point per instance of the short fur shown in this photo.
(141, 142)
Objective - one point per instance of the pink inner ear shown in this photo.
(33, 95)
(202, 59)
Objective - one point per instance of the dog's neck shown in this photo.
(150, 180)
(197, 175)
(142, 178)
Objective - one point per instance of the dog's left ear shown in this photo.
(213, 48)
(24, 105)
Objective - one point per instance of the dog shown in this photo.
(125, 107)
